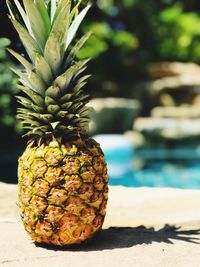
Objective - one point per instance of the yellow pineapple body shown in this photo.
(63, 190)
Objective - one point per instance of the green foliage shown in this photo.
(180, 34)
(130, 34)
(104, 37)
(7, 87)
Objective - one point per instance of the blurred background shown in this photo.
(145, 89)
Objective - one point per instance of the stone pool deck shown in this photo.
(144, 227)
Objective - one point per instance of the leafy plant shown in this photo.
(180, 34)
(7, 88)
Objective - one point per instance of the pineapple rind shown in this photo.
(63, 198)
(63, 183)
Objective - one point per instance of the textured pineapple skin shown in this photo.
(63, 190)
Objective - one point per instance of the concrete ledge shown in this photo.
(141, 230)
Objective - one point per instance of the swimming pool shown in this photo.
(182, 171)
(160, 174)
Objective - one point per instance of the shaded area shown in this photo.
(9, 163)
(126, 237)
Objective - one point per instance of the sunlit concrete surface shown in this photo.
(144, 227)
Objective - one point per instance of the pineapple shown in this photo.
(63, 181)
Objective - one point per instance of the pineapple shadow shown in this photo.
(126, 237)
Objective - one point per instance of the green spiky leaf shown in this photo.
(37, 99)
(22, 13)
(55, 102)
(43, 69)
(53, 92)
(29, 43)
(52, 109)
(22, 60)
(39, 21)
(75, 25)
(52, 53)
(77, 47)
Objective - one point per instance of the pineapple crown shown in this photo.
(55, 102)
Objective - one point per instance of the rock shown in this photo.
(113, 115)
(196, 101)
(174, 82)
(169, 84)
(181, 112)
(167, 69)
(173, 75)
(167, 100)
(141, 229)
(169, 134)
(167, 127)
(173, 69)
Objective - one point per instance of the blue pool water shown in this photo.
(160, 174)
(175, 167)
